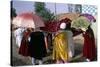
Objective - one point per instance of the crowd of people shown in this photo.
(33, 43)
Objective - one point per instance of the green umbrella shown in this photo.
(81, 22)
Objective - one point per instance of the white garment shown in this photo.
(40, 62)
(18, 35)
(70, 43)
(33, 61)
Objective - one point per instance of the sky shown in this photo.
(28, 6)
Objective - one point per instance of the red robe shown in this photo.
(24, 48)
(89, 49)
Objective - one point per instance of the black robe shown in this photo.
(37, 46)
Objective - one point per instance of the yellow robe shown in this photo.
(60, 47)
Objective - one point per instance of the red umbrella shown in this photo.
(53, 26)
(28, 20)
(50, 26)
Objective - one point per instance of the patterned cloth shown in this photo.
(90, 9)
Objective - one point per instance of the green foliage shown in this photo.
(13, 13)
(39, 6)
(42, 11)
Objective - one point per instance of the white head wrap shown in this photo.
(63, 25)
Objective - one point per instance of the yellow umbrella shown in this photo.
(71, 16)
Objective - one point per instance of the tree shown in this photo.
(42, 11)
(13, 11)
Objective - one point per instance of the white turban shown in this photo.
(62, 25)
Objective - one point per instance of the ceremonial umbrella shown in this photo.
(71, 16)
(89, 16)
(28, 20)
(54, 26)
(81, 22)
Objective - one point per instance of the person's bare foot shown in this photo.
(87, 60)
(57, 62)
